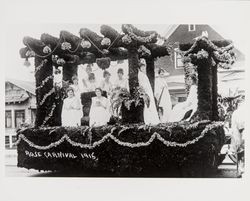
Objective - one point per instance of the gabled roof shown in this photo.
(25, 85)
(173, 33)
(170, 30)
(15, 99)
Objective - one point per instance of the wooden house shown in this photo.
(186, 33)
(20, 106)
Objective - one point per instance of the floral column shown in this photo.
(207, 56)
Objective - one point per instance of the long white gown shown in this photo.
(238, 124)
(163, 97)
(71, 112)
(180, 109)
(98, 115)
(150, 113)
(77, 93)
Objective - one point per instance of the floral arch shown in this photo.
(134, 149)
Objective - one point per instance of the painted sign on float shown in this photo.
(69, 155)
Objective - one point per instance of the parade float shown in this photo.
(127, 147)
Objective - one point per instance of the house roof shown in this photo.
(233, 76)
(15, 99)
(26, 85)
(170, 30)
(174, 33)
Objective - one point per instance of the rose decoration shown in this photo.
(85, 44)
(46, 50)
(66, 46)
(202, 54)
(126, 39)
(30, 53)
(105, 42)
(60, 61)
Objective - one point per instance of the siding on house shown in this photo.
(20, 101)
(177, 34)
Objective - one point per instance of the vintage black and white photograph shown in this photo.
(124, 100)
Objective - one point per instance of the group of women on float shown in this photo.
(100, 111)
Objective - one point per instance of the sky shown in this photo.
(14, 67)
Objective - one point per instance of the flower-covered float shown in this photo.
(127, 147)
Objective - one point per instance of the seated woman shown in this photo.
(71, 111)
(180, 110)
(150, 113)
(99, 114)
(162, 96)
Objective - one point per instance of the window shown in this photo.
(178, 60)
(191, 27)
(8, 119)
(33, 116)
(19, 117)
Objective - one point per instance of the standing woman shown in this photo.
(150, 113)
(91, 84)
(77, 91)
(99, 114)
(163, 97)
(121, 82)
(75, 86)
(71, 111)
(106, 85)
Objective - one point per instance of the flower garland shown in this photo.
(141, 39)
(125, 144)
(40, 65)
(50, 115)
(47, 95)
(44, 81)
(144, 51)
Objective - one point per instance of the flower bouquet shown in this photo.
(126, 105)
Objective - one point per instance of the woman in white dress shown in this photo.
(91, 84)
(150, 113)
(99, 114)
(163, 97)
(75, 86)
(77, 91)
(106, 85)
(71, 111)
(121, 82)
(85, 77)
(190, 104)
